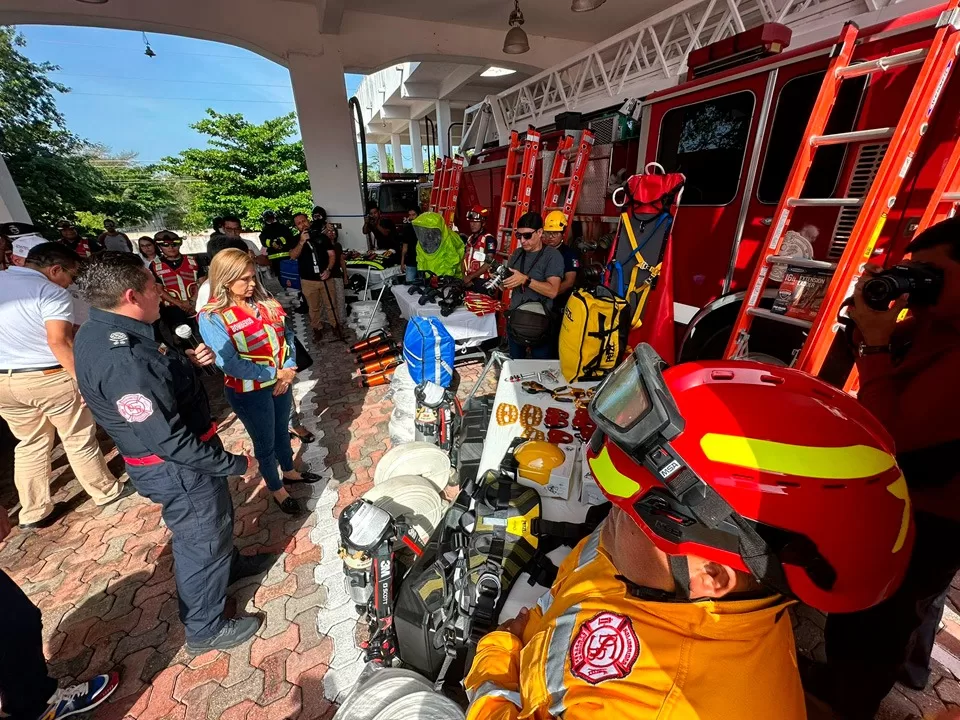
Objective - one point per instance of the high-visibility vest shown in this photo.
(256, 339)
(275, 249)
(477, 247)
(82, 248)
(180, 282)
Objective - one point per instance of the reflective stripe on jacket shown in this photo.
(591, 650)
(256, 339)
(180, 282)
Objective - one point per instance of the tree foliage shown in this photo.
(58, 174)
(245, 169)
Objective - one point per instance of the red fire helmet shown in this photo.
(477, 213)
(764, 469)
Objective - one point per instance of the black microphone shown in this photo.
(185, 332)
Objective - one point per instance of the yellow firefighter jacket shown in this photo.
(592, 651)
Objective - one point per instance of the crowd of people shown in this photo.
(674, 607)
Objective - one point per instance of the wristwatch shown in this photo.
(864, 349)
(526, 283)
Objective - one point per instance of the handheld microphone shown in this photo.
(185, 332)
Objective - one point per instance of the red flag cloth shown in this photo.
(657, 328)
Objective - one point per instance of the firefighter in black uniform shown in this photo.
(148, 398)
(277, 238)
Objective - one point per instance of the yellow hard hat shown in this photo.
(537, 459)
(555, 222)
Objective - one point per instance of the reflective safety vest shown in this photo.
(256, 339)
(478, 247)
(82, 248)
(275, 249)
(590, 646)
(180, 282)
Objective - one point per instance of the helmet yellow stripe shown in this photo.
(899, 490)
(827, 463)
(610, 479)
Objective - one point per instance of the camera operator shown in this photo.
(908, 376)
(383, 230)
(316, 258)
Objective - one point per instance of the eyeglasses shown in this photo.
(525, 235)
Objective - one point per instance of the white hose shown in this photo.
(415, 458)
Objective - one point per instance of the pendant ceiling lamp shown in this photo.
(586, 5)
(516, 43)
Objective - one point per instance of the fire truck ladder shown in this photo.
(517, 186)
(559, 177)
(446, 188)
(938, 61)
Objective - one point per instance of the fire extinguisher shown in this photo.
(377, 352)
(375, 366)
(375, 338)
(381, 378)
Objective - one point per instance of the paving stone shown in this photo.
(192, 678)
(131, 669)
(264, 647)
(228, 697)
(275, 685)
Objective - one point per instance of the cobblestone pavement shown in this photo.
(103, 579)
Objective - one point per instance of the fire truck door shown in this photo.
(709, 136)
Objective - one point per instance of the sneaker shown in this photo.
(235, 631)
(81, 698)
(249, 565)
(59, 510)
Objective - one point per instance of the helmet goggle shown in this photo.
(635, 410)
(168, 240)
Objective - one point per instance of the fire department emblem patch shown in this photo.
(135, 407)
(605, 648)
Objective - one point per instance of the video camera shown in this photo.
(498, 273)
(921, 280)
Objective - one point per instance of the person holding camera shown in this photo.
(382, 229)
(908, 373)
(534, 281)
(316, 258)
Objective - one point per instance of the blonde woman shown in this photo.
(254, 344)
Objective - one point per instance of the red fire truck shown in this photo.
(734, 128)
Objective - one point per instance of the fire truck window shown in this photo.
(707, 142)
(398, 198)
(790, 120)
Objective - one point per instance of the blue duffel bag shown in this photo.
(290, 274)
(428, 350)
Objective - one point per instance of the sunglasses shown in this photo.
(169, 243)
(525, 235)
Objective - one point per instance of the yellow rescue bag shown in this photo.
(592, 335)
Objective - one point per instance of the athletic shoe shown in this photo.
(81, 698)
(235, 631)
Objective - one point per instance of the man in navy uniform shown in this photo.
(148, 398)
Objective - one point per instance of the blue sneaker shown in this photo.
(81, 698)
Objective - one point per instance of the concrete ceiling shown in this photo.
(551, 18)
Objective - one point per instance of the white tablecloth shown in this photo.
(499, 437)
(466, 328)
(376, 279)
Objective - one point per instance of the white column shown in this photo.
(397, 153)
(416, 146)
(382, 156)
(12, 208)
(329, 139)
(443, 127)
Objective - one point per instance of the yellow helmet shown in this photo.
(537, 459)
(555, 222)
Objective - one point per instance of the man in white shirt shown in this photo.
(38, 393)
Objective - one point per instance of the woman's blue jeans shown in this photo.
(266, 419)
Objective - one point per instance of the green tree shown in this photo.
(47, 161)
(246, 169)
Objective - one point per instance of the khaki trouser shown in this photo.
(318, 301)
(35, 407)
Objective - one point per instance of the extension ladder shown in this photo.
(560, 179)
(517, 186)
(938, 61)
(446, 188)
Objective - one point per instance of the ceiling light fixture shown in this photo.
(516, 43)
(586, 5)
(149, 51)
(494, 71)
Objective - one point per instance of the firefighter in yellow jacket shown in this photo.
(676, 607)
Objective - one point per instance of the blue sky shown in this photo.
(130, 102)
